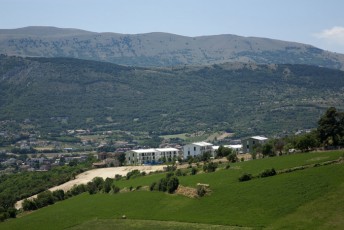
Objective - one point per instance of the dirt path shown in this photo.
(87, 176)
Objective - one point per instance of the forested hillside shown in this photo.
(61, 93)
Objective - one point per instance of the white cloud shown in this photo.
(335, 34)
(331, 39)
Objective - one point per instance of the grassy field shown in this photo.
(304, 199)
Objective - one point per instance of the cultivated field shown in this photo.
(308, 198)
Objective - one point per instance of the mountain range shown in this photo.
(56, 94)
(160, 49)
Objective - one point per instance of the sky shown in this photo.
(316, 22)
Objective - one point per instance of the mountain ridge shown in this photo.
(160, 49)
(58, 94)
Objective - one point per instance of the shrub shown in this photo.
(162, 185)
(133, 174)
(201, 191)
(211, 167)
(179, 172)
(29, 205)
(171, 168)
(153, 186)
(245, 177)
(91, 188)
(58, 195)
(78, 189)
(268, 172)
(193, 171)
(118, 177)
(232, 157)
(114, 189)
(227, 166)
(172, 184)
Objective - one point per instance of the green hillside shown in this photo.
(58, 94)
(303, 199)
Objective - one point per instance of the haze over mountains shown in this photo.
(160, 49)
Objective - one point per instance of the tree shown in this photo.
(307, 142)
(232, 157)
(267, 149)
(331, 128)
(223, 151)
(172, 184)
(121, 158)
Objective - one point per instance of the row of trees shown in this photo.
(329, 134)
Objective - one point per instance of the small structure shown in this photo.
(197, 148)
(249, 144)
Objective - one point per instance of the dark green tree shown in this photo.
(331, 128)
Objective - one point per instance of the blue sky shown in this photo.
(316, 22)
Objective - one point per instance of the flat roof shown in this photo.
(202, 143)
(144, 150)
(167, 149)
(259, 138)
(233, 146)
(151, 150)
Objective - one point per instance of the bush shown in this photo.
(153, 186)
(171, 168)
(172, 184)
(232, 157)
(201, 191)
(179, 172)
(91, 188)
(133, 174)
(114, 189)
(58, 195)
(29, 205)
(211, 167)
(78, 189)
(227, 166)
(245, 177)
(193, 171)
(268, 172)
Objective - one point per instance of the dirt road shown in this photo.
(87, 176)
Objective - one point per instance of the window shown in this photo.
(195, 148)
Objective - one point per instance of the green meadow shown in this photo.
(311, 198)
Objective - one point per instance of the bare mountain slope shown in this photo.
(160, 49)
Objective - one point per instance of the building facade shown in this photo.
(150, 156)
(197, 148)
(249, 144)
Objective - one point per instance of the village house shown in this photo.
(250, 143)
(197, 148)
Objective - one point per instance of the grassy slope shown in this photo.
(274, 201)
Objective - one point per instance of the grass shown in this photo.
(305, 199)
(105, 224)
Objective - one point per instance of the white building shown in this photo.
(145, 156)
(250, 143)
(236, 148)
(197, 148)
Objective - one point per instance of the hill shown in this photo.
(59, 93)
(160, 49)
(303, 199)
